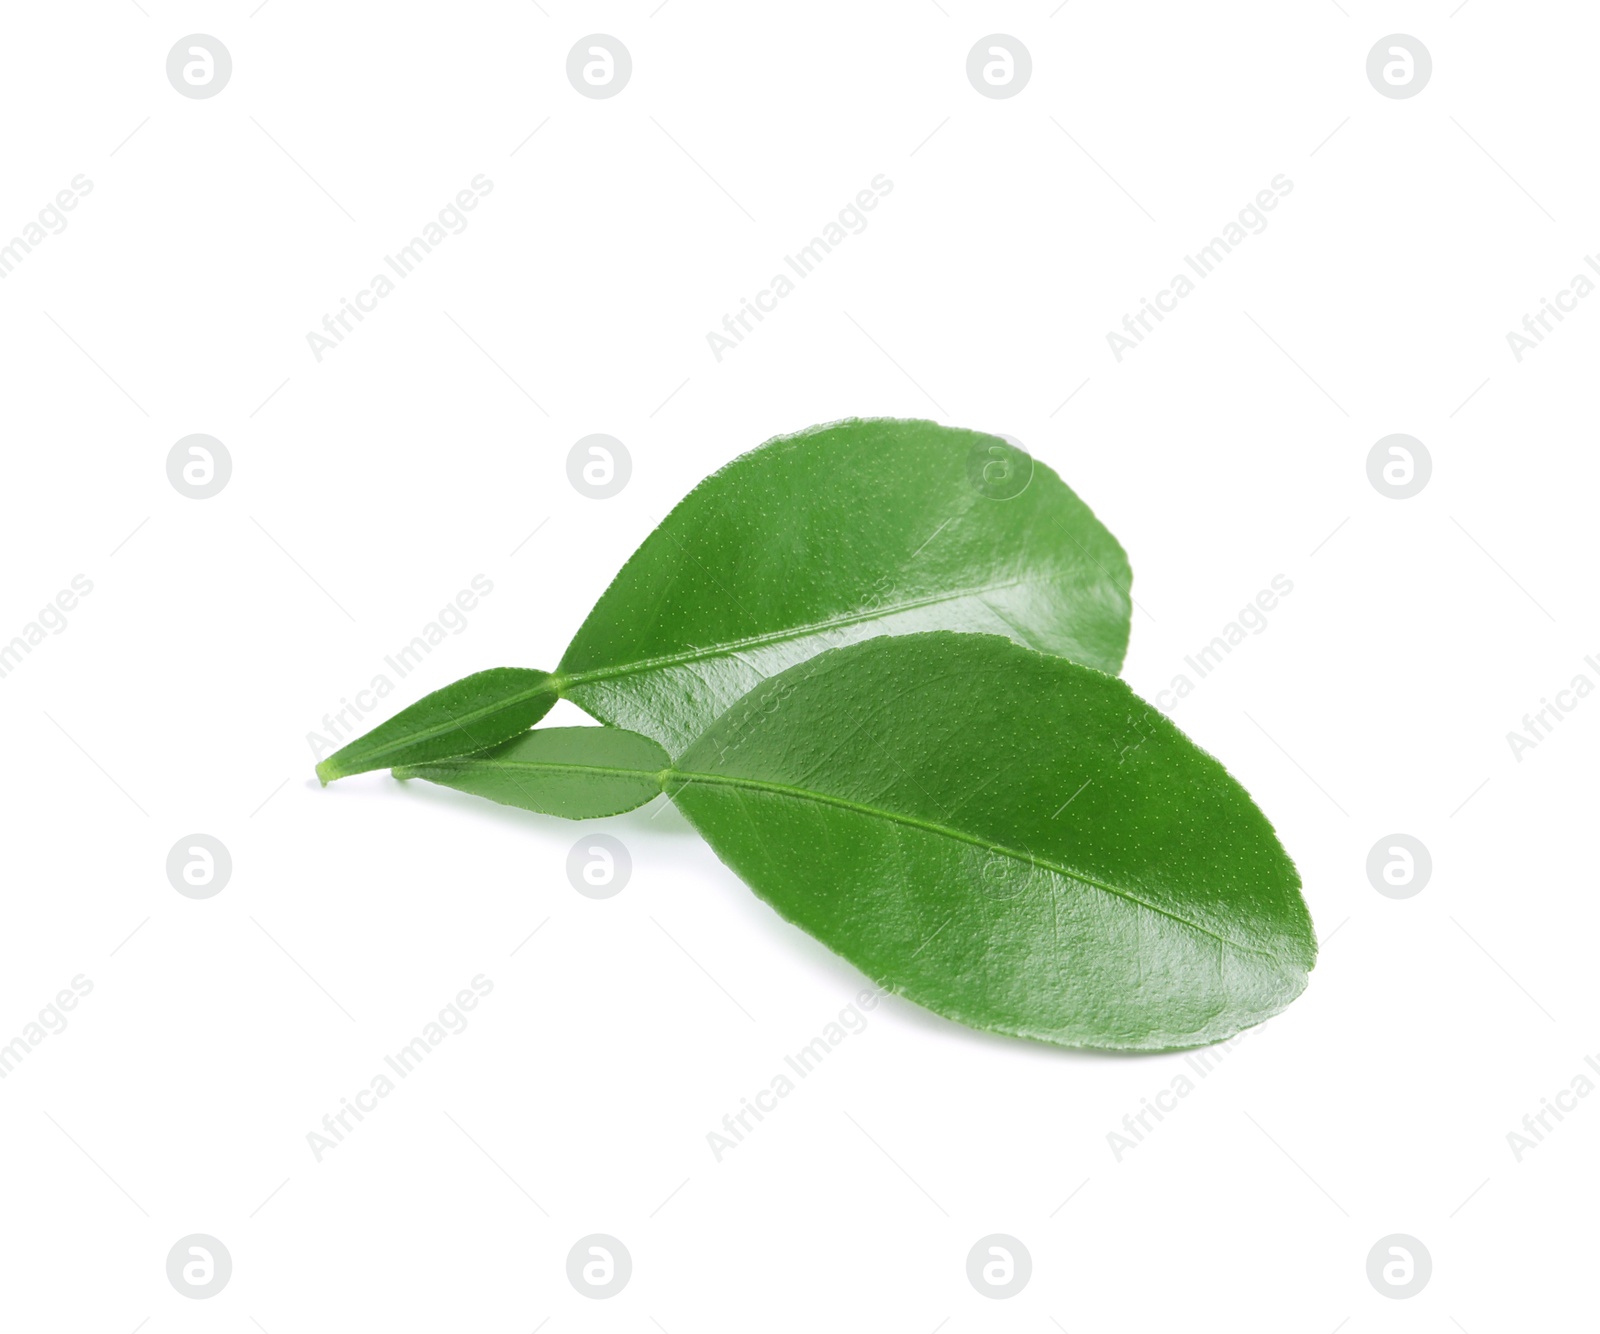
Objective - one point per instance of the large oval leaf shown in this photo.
(1010, 839)
(837, 534)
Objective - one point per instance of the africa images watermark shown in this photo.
(52, 1019)
(1539, 725)
(1251, 617)
(451, 220)
(346, 721)
(51, 221)
(1536, 326)
(736, 1125)
(450, 1020)
(1251, 220)
(51, 617)
(1138, 1126)
(1536, 1125)
(850, 221)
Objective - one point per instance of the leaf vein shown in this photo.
(930, 826)
(733, 646)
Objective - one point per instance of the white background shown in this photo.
(369, 488)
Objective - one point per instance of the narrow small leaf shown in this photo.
(471, 714)
(1012, 840)
(577, 772)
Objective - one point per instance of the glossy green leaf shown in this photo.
(813, 541)
(578, 772)
(471, 714)
(837, 534)
(1010, 839)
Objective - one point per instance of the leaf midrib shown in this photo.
(459, 721)
(557, 682)
(731, 646)
(464, 762)
(662, 778)
(933, 827)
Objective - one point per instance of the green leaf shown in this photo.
(866, 527)
(473, 713)
(837, 534)
(578, 772)
(1010, 839)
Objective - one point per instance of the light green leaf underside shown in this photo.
(576, 772)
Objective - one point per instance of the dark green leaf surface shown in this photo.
(475, 712)
(1012, 840)
(866, 527)
(837, 534)
(578, 772)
